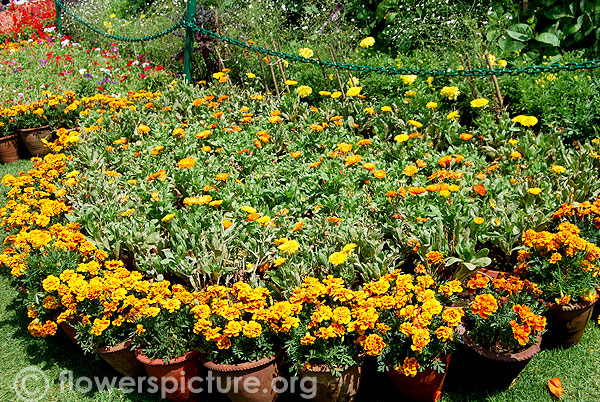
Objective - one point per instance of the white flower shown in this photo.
(49, 29)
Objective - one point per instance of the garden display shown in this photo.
(320, 228)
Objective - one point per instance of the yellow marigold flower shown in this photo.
(466, 136)
(168, 217)
(386, 109)
(252, 329)
(479, 102)
(380, 174)
(563, 300)
(353, 159)
(304, 90)
(290, 82)
(534, 190)
(279, 261)
(415, 123)
(410, 170)
(226, 223)
(144, 129)
(369, 166)
(370, 110)
(479, 220)
(431, 105)
(502, 63)
(186, 163)
(336, 95)
(410, 367)
(51, 283)
(367, 42)
(353, 91)
(296, 154)
(324, 93)
(558, 169)
(128, 212)
(215, 203)
(250, 75)
(338, 258)
(401, 138)
(373, 345)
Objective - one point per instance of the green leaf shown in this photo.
(558, 12)
(520, 32)
(548, 38)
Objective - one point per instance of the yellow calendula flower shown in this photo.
(304, 90)
(168, 217)
(431, 105)
(534, 190)
(128, 212)
(291, 82)
(367, 42)
(306, 52)
(386, 109)
(452, 115)
(250, 75)
(336, 95)
(279, 261)
(354, 91)
(338, 258)
(401, 138)
(479, 220)
(479, 102)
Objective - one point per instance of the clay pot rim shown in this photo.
(30, 129)
(573, 306)
(6, 138)
(324, 368)
(142, 358)
(520, 356)
(125, 345)
(228, 368)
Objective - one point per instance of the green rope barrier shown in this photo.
(478, 72)
(117, 37)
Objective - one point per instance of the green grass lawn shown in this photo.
(577, 367)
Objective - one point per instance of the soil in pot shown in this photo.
(329, 387)
(122, 359)
(246, 382)
(9, 149)
(181, 379)
(476, 367)
(426, 386)
(565, 324)
(32, 138)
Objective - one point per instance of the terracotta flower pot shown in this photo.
(258, 377)
(565, 324)
(425, 386)
(175, 374)
(68, 326)
(122, 359)
(9, 149)
(333, 388)
(32, 138)
(178, 378)
(476, 367)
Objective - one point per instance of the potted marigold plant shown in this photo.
(33, 126)
(501, 331)
(165, 341)
(233, 328)
(322, 344)
(414, 334)
(564, 266)
(8, 139)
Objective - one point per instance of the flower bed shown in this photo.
(242, 224)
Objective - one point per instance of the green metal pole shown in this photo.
(188, 54)
(58, 18)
